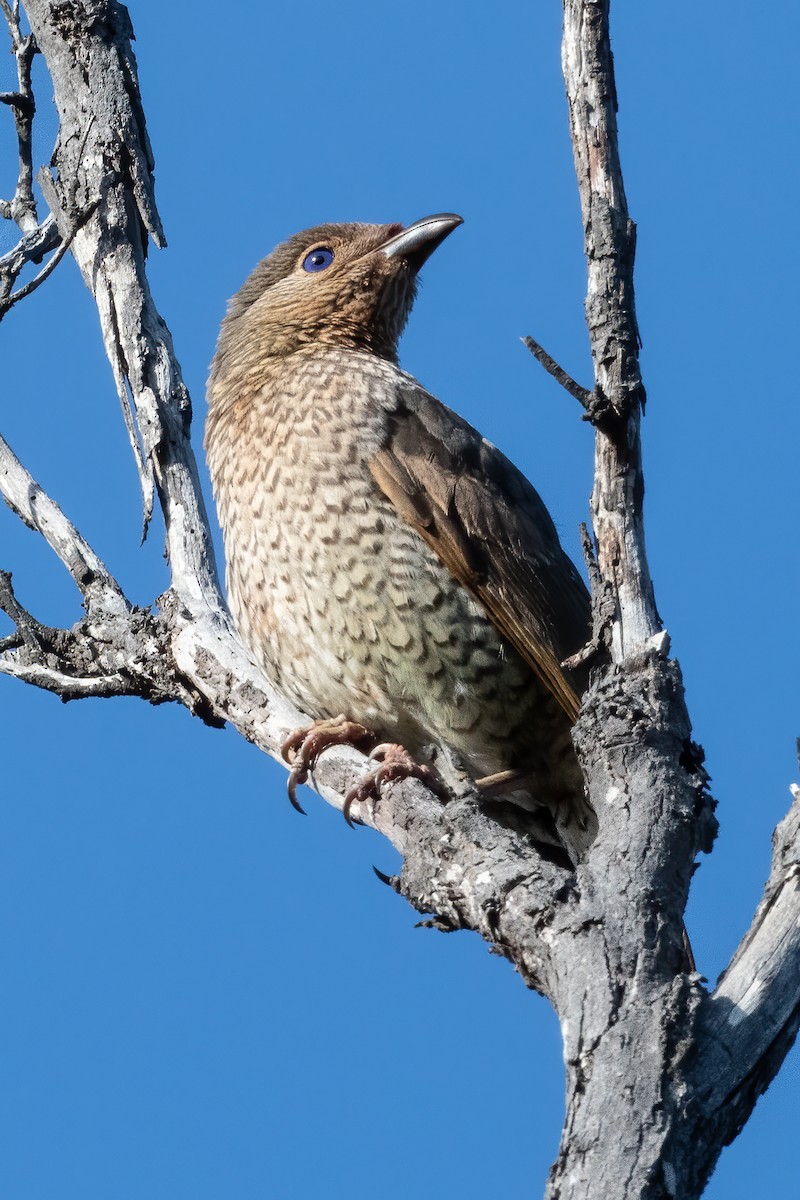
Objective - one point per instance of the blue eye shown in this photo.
(318, 260)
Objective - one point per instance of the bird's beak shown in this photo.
(417, 243)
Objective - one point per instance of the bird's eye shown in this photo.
(318, 260)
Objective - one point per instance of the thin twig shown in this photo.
(604, 607)
(83, 215)
(31, 247)
(590, 558)
(27, 626)
(22, 207)
(51, 264)
(15, 99)
(595, 406)
(581, 394)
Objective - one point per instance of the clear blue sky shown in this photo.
(204, 995)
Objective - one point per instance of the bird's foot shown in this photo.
(394, 763)
(303, 747)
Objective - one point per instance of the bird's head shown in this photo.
(335, 285)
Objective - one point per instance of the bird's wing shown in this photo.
(489, 527)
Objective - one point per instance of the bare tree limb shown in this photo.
(23, 495)
(652, 1138)
(610, 244)
(28, 630)
(117, 162)
(752, 1017)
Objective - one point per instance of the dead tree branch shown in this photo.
(22, 206)
(644, 773)
(36, 239)
(31, 248)
(751, 1019)
(659, 1074)
(23, 495)
(595, 407)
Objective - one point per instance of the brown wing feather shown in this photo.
(491, 530)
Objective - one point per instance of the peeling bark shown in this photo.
(661, 1074)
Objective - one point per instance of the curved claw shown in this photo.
(395, 764)
(303, 747)
(379, 752)
(391, 881)
(291, 746)
(296, 776)
(359, 792)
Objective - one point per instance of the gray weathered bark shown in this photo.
(661, 1074)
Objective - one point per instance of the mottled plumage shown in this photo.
(383, 560)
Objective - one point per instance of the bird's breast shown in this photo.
(318, 564)
(336, 596)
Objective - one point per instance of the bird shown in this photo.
(392, 572)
